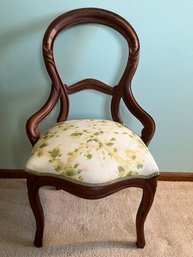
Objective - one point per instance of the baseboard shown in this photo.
(176, 176)
(164, 176)
(13, 173)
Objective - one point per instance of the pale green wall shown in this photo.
(163, 84)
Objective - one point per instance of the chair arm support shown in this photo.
(145, 119)
(33, 122)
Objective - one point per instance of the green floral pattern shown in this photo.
(91, 151)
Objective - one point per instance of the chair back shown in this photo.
(120, 91)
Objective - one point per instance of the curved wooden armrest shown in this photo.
(146, 120)
(32, 123)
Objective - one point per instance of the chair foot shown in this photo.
(38, 242)
(140, 244)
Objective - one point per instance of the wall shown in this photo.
(162, 85)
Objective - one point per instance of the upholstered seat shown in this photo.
(91, 151)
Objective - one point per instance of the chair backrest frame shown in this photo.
(59, 90)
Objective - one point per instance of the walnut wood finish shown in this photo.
(60, 92)
(34, 183)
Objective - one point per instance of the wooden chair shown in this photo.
(91, 158)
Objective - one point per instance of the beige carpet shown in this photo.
(78, 227)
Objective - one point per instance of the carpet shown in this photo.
(106, 227)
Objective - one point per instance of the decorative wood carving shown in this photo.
(121, 91)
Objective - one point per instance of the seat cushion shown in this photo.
(91, 151)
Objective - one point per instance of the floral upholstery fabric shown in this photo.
(91, 151)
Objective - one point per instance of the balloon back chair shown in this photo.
(91, 158)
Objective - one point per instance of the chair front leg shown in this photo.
(34, 200)
(149, 190)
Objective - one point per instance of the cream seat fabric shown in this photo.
(91, 151)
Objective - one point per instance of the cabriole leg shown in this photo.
(34, 200)
(144, 208)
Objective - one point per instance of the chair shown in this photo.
(91, 158)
